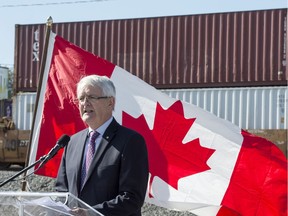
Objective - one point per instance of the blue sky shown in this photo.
(37, 11)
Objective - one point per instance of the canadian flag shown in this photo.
(198, 162)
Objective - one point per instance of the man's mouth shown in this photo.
(87, 111)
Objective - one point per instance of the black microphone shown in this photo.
(61, 143)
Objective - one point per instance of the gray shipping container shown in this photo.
(249, 108)
(23, 108)
(234, 49)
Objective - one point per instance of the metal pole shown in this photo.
(40, 81)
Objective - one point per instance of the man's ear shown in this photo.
(111, 102)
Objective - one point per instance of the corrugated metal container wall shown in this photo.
(23, 108)
(210, 50)
(249, 108)
(27, 56)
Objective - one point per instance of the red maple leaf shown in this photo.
(169, 158)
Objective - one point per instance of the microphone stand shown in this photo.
(24, 170)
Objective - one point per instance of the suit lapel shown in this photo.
(78, 157)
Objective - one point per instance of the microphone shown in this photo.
(61, 143)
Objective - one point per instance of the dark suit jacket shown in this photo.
(117, 180)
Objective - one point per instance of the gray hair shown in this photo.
(103, 82)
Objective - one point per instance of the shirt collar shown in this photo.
(103, 127)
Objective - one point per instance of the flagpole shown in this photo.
(42, 68)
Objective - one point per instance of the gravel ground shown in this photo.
(45, 184)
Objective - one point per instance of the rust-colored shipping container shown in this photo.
(235, 49)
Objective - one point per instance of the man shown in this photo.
(115, 182)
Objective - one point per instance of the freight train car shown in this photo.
(188, 56)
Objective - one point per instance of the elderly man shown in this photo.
(106, 164)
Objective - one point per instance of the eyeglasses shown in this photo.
(90, 98)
